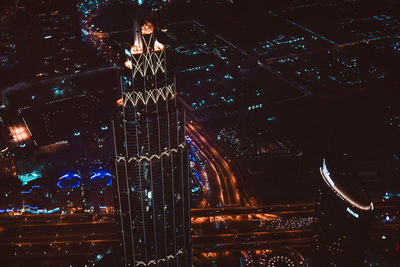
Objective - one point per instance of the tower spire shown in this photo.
(151, 159)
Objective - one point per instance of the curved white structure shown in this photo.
(327, 178)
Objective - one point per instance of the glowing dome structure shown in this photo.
(69, 180)
(102, 175)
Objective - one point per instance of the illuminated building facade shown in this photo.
(342, 212)
(151, 159)
(19, 133)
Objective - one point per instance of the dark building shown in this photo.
(7, 165)
(53, 36)
(56, 113)
(343, 210)
(58, 121)
(151, 159)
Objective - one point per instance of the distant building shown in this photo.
(340, 230)
(64, 113)
(53, 36)
(151, 160)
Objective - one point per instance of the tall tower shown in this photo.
(151, 159)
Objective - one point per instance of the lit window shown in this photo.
(19, 133)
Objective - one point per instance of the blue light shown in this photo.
(198, 176)
(95, 176)
(77, 133)
(327, 173)
(64, 176)
(101, 174)
(27, 177)
(69, 176)
(99, 257)
(53, 210)
(271, 118)
(76, 185)
(58, 92)
(228, 77)
(197, 188)
(31, 211)
(104, 127)
(59, 185)
(35, 208)
(388, 195)
(140, 2)
(352, 212)
(30, 190)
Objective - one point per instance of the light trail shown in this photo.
(222, 165)
(222, 199)
(65, 242)
(67, 223)
(306, 241)
(327, 178)
(63, 237)
(233, 218)
(196, 137)
(237, 235)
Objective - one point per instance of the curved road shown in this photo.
(226, 177)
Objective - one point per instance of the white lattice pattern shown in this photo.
(149, 95)
(154, 156)
(143, 62)
(155, 262)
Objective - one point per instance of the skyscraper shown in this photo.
(342, 212)
(151, 159)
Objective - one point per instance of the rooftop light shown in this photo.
(19, 133)
(147, 28)
(128, 64)
(158, 46)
